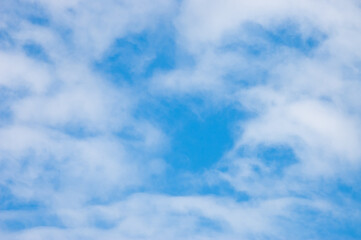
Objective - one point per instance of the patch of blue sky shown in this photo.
(30, 11)
(247, 76)
(264, 47)
(289, 35)
(200, 141)
(39, 19)
(116, 195)
(7, 96)
(52, 175)
(314, 224)
(345, 190)
(178, 182)
(75, 130)
(35, 51)
(5, 115)
(49, 177)
(352, 72)
(277, 157)
(139, 56)
(10, 202)
(208, 225)
(217, 188)
(199, 136)
(33, 213)
(30, 219)
(125, 59)
(261, 42)
(6, 41)
(104, 224)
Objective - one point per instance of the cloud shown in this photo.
(71, 135)
(160, 217)
(80, 156)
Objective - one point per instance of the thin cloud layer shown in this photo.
(87, 152)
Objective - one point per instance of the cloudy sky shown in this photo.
(180, 119)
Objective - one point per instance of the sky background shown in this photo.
(180, 119)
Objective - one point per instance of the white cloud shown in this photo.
(75, 145)
(159, 217)
(64, 140)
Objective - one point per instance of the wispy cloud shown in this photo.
(86, 150)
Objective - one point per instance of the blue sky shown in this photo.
(180, 119)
